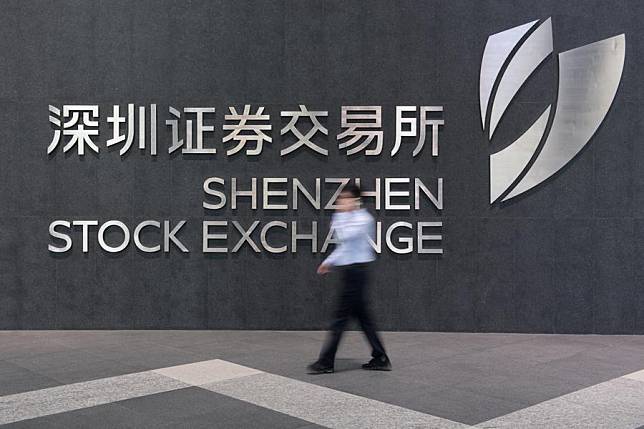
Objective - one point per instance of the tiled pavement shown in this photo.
(257, 379)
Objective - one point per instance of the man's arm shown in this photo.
(335, 255)
(330, 261)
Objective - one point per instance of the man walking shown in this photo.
(353, 227)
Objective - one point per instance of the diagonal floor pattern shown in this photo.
(315, 404)
(613, 404)
(244, 378)
(617, 403)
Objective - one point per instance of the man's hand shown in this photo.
(323, 269)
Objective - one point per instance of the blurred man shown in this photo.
(353, 226)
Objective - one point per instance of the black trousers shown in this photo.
(352, 302)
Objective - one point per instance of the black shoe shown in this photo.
(319, 368)
(381, 363)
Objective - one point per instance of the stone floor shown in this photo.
(243, 379)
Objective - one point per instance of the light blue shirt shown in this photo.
(353, 229)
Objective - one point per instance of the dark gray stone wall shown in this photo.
(565, 258)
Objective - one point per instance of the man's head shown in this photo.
(349, 198)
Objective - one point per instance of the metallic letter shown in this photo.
(422, 237)
(137, 238)
(264, 240)
(343, 182)
(315, 202)
(245, 236)
(313, 236)
(66, 238)
(420, 186)
(389, 193)
(407, 240)
(170, 236)
(234, 193)
(207, 190)
(101, 236)
(207, 236)
(85, 224)
(267, 193)
(375, 194)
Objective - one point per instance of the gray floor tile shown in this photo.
(48, 422)
(194, 408)
(71, 366)
(145, 355)
(613, 404)
(175, 405)
(15, 379)
(76, 396)
(455, 404)
(586, 369)
(106, 416)
(17, 344)
(242, 419)
(92, 339)
(525, 388)
(443, 372)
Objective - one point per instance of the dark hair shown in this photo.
(353, 189)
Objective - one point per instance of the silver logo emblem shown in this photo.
(588, 79)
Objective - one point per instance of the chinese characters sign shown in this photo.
(76, 129)
(248, 130)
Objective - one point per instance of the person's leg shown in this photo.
(341, 318)
(369, 329)
(327, 354)
(364, 315)
(380, 359)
